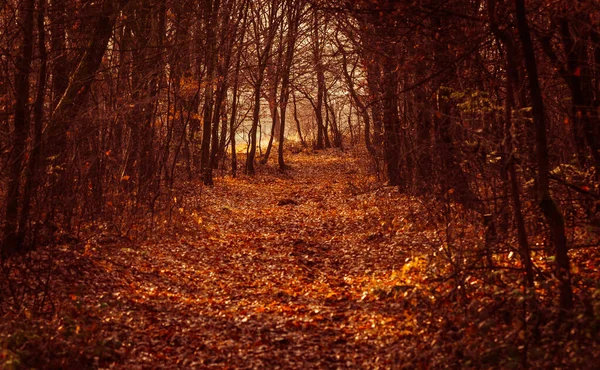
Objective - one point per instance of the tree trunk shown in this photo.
(76, 93)
(335, 130)
(373, 83)
(228, 35)
(31, 181)
(293, 17)
(391, 123)
(274, 124)
(58, 42)
(147, 38)
(234, 101)
(298, 128)
(319, 70)
(253, 130)
(356, 99)
(579, 79)
(211, 13)
(263, 55)
(512, 77)
(548, 205)
(21, 122)
(275, 74)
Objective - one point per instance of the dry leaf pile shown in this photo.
(320, 267)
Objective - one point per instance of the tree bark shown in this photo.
(263, 54)
(293, 17)
(31, 181)
(60, 62)
(21, 123)
(298, 128)
(275, 76)
(391, 123)
(211, 13)
(364, 113)
(549, 207)
(322, 138)
(234, 101)
(76, 93)
(510, 161)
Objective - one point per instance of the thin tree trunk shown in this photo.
(319, 70)
(349, 121)
(293, 17)
(373, 83)
(217, 118)
(274, 124)
(21, 121)
(337, 135)
(549, 207)
(515, 190)
(391, 124)
(211, 12)
(275, 128)
(263, 58)
(76, 93)
(294, 13)
(298, 129)
(514, 182)
(229, 28)
(362, 110)
(38, 116)
(253, 130)
(234, 101)
(60, 63)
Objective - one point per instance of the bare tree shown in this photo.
(265, 18)
(549, 207)
(21, 123)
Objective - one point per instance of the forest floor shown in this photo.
(318, 267)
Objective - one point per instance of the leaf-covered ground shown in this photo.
(321, 267)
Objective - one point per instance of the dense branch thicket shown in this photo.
(491, 105)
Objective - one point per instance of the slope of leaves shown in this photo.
(321, 267)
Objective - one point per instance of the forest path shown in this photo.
(272, 274)
(306, 269)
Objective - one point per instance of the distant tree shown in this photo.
(265, 17)
(294, 14)
(211, 12)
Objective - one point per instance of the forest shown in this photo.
(298, 184)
